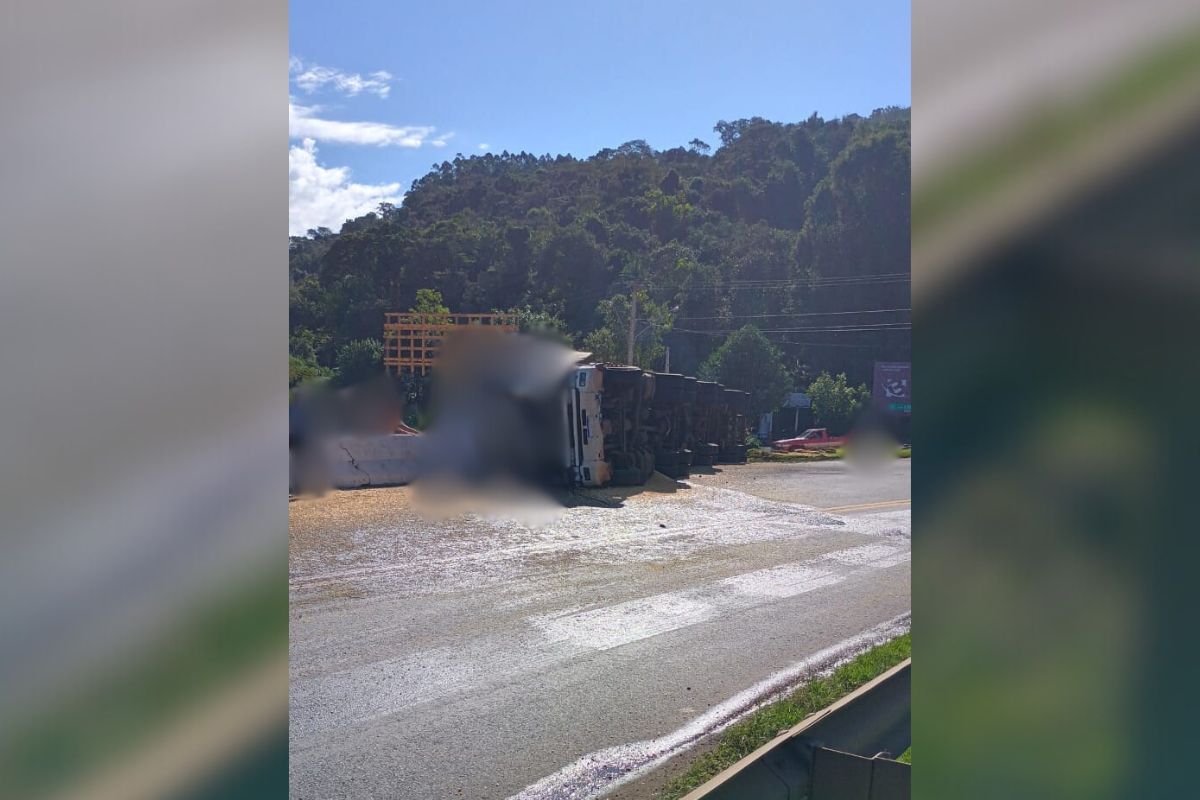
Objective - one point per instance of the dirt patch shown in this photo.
(323, 527)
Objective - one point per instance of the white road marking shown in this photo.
(613, 626)
(634, 620)
(786, 580)
(867, 554)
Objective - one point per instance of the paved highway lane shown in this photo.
(481, 659)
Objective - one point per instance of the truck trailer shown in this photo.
(621, 423)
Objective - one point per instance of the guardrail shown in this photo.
(833, 754)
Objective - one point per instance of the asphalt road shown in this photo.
(486, 659)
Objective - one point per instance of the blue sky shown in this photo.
(380, 91)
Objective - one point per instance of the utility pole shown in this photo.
(667, 365)
(632, 322)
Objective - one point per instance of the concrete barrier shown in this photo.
(829, 754)
(359, 461)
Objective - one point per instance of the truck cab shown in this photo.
(607, 425)
(583, 428)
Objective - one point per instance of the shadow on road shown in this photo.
(615, 496)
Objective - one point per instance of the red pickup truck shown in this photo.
(811, 439)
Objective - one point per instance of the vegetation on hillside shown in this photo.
(801, 230)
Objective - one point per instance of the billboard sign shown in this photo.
(892, 390)
(797, 400)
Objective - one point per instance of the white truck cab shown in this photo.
(584, 437)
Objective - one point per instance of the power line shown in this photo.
(845, 280)
(815, 278)
(801, 314)
(883, 326)
(852, 345)
(828, 344)
(829, 279)
(864, 345)
(781, 282)
(780, 285)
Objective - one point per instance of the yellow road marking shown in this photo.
(863, 506)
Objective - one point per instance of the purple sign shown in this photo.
(893, 386)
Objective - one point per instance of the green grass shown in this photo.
(767, 454)
(906, 757)
(762, 726)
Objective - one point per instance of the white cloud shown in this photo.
(304, 124)
(484, 146)
(313, 77)
(324, 196)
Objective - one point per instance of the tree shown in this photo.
(603, 346)
(358, 361)
(308, 346)
(542, 324)
(429, 301)
(610, 342)
(302, 371)
(304, 357)
(835, 403)
(748, 361)
(636, 147)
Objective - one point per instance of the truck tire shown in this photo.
(707, 392)
(735, 399)
(689, 390)
(675, 470)
(673, 463)
(734, 454)
(664, 461)
(627, 477)
(622, 379)
(648, 387)
(647, 462)
(668, 388)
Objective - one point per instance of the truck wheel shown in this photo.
(627, 477)
(622, 460)
(648, 386)
(647, 465)
(668, 388)
(674, 470)
(622, 379)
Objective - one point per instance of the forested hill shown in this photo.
(800, 229)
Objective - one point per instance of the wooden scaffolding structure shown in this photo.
(411, 341)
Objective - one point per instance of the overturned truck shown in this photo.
(621, 424)
(509, 408)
